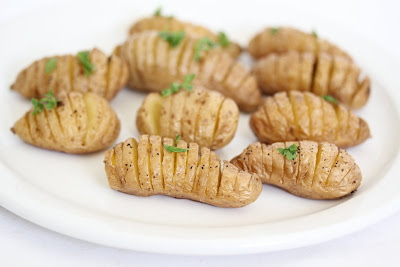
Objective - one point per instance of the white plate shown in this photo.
(69, 194)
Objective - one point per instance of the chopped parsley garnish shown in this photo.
(49, 101)
(290, 152)
(330, 99)
(84, 60)
(50, 65)
(174, 148)
(173, 38)
(175, 87)
(273, 31)
(223, 39)
(204, 44)
(177, 139)
(158, 12)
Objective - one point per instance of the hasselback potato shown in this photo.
(147, 168)
(205, 117)
(161, 23)
(322, 74)
(88, 71)
(154, 64)
(320, 170)
(284, 39)
(79, 123)
(293, 116)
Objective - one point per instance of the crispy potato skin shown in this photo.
(160, 23)
(324, 74)
(294, 116)
(109, 77)
(320, 170)
(146, 168)
(288, 39)
(205, 117)
(81, 123)
(154, 65)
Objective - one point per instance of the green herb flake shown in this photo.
(330, 99)
(314, 33)
(175, 149)
(50, 65)
(273, 31)
(177, 139)
(289, 152)
(158, 12)
(173, 38)
(49, 101)
(204, 44)
(187, 83)
(223, 39)
(37, 106)
(84, 60)
(175, 87)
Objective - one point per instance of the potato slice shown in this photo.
(168, 166)
(300, 114)
(191, 111)
(278, 163)
(151, 113)
(130, 155)
(180, 167)
(226, 125)
(191, 169)
(207, 121)
(214, 176)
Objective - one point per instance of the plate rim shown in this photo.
(182, 245)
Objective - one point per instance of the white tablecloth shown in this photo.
(25, 244)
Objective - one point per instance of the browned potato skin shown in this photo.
(294, 116)
(320, 170)
(109, 77)
(288, 39)
(81, 123)
(160, 23)
(146, 168)
(324, 74)
(205, 117)
(154, 65)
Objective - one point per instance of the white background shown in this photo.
(25, 244)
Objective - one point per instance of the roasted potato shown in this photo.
(293, 116)
(80, 123)
(204, 117)
(108, 77)
(147, 168)
(284, 39)
(320, 170)
(160, 23)
(154, 65)
(324, 74)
